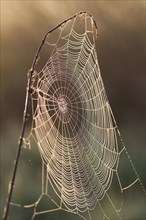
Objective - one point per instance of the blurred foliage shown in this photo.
(121, 52)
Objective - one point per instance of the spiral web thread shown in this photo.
(74, 127)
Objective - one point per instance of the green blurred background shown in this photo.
(121, 54)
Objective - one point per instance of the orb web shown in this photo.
(74, 127)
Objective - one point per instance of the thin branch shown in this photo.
(25, 114)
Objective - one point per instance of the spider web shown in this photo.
(75, 130)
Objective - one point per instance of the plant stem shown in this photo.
(25, 114)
